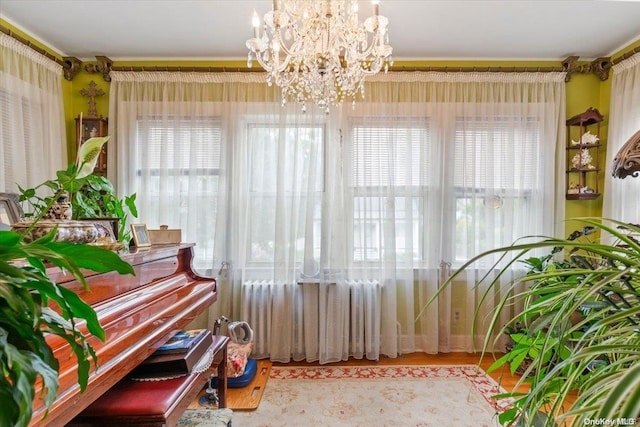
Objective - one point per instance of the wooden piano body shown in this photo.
(139, 313)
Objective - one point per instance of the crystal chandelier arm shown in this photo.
(319, 51)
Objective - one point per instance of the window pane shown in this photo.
(179, 162)
(497, 175)
(401, 218)
(496, 154)
(384, 156)
(302, 162)
(389, 177)
(289, 158)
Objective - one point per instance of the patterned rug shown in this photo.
(376, 396)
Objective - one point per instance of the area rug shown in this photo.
(373, 396)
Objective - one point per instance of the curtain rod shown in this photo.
(71, 65)
(31, 45)
(600, 67)
(625, 55)
(391, 69)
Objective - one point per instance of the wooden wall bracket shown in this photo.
(103, 66)
(70, 67)
(600, 67)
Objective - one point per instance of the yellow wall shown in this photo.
(583, 91)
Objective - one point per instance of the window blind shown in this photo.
(495, 155)
(390, 155)
(182, 143)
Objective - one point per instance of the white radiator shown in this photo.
(365, 313)
(256, 304)
(264, 309)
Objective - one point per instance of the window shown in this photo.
(389, 177)
(18, 119)
(289, 158)
(180, 158)
(497, 172)
(482, 203)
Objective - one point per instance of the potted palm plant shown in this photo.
(599, 279)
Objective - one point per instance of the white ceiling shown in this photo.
(429, 30)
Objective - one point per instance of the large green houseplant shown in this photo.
(599, 279)
(91, 196)
(27, 295)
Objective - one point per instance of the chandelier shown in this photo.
(318, 51)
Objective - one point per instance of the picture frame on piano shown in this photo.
(140, 235)
(10, 211)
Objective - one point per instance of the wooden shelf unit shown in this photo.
(583, 158)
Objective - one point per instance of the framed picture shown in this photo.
(107, 227)
(140, 235)
(10, 211)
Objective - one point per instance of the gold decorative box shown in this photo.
(165, 236)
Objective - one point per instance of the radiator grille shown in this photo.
(260, 305)
(365, 311)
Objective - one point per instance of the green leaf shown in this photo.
(8, 239)
(92, 257)
(82, 310)
(517, 361)
(600, 280)
(628, 387)
(26, 360)
(499, 363)
(130, 202)
(508, 416)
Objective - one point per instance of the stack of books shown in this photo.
(178, 356)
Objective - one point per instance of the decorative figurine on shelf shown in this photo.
(573, 189)
(582, 160)
(586, 139)
(586, 190)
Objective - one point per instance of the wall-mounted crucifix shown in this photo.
(92, 93)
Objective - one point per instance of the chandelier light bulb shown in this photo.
(319, 51)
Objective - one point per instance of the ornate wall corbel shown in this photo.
(601, 66)
(103, 66)
(570, 66)
(70, 67)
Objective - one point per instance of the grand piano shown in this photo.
(139, 313)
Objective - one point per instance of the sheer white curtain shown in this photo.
(246, 179)
(445, 166)
(622, 196)
(32, 134)
(340, 226)
(168, 129)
